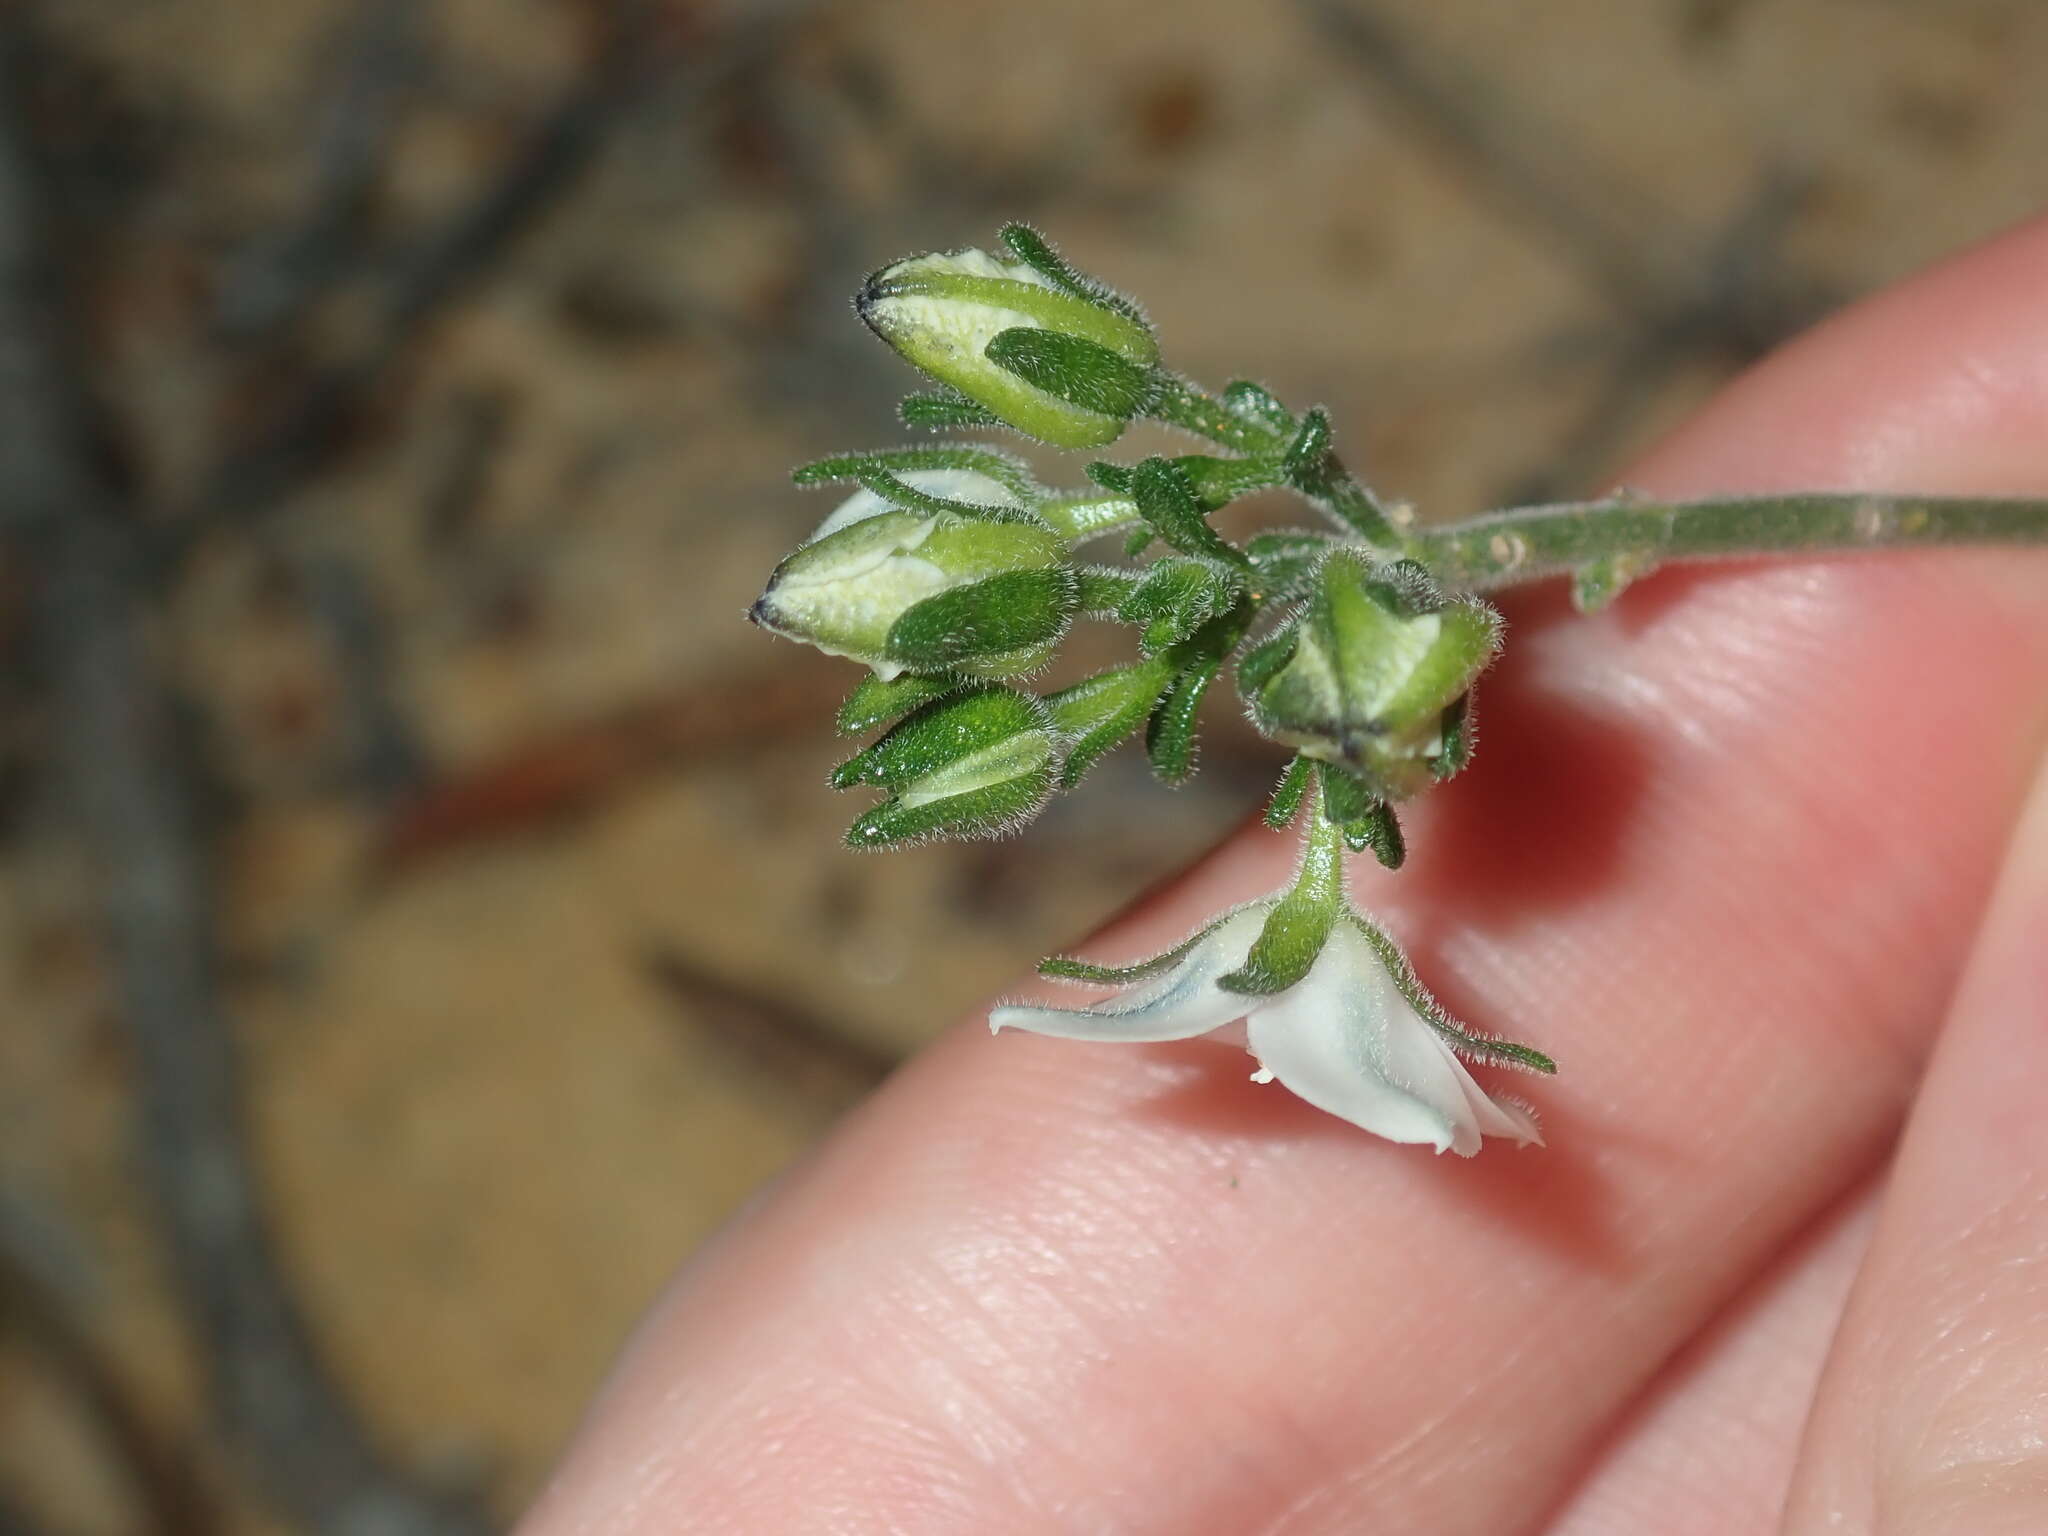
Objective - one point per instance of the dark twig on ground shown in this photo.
(156, 1471)
(131, 793)
(1726, 297)
(798, 1050)
(272, 282)
(253, 475)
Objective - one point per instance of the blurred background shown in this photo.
(422, 917)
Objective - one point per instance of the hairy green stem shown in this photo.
(1336, 491)
(1609, 543)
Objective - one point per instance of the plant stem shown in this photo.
(1336, 491)
(1609, 543)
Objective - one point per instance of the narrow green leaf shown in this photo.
(900, 493)
(1170, 733)
(1458, 739)
(1097, 713)
(1287, 795)
(945, 407)
(1167, 502)
(1310, 449)
(875, 702)
(1255, 403)
(1037, 253)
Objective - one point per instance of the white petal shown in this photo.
(1346, 1040)
(1178, 1004)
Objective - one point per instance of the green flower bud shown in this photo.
(1373, 672)
(905, 592)
(973, 765)
(1074, 365)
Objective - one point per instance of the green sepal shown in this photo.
(1083, 373)
(1176, 597)
(1139, 540)
(1258, 405)
(1168, 503)
(1067, 968)
(874, 702)
(1011, 612)
(1109, 475)
(1458, 739)
(1299, 925)
(938, 409)
(1601, 580)
(1310, 449)
(1294, 783)
(1460, 1039)
(939, 733)
(1097, 713)
(908, 498)
(1346, 797)
(1037, 253)
(1005, 469)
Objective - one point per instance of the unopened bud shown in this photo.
(1364, 676)
(904, 592)
(1070, 365)
(972, 765)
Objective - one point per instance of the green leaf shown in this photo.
(1461, 1039)
(1084, 374)
(1217, 482)
(1167, 502)
(1310, 449)
(982, 619)
(1458, 739)
(1170, 733)
(874, 702)
(945, 407)
(1294, 783)
(1256, 404)
(1097, 713)
(1177, 596)
(1110, 476)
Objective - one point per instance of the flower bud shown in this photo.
(1069, 364)
(1372, 672)
(905, 592)
(972, 765)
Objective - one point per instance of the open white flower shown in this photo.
(1357, 1036)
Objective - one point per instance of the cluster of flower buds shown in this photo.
(951, 573)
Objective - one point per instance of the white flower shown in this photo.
(1357, 1036)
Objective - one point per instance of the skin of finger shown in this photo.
(1722, 852)
(1933, 1416)
(1708, 1449)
